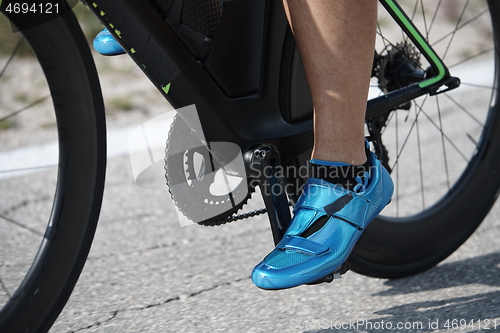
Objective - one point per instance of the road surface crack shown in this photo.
(114, 314)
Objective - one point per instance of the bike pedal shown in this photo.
(337, 274)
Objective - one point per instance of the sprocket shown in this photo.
(394, 69)
(391, 67)
(200, 188)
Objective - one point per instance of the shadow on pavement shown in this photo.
(478, 270)
(474, 313)
(460, 314)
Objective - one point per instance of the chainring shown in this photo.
(195, 179)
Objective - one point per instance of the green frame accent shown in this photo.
(399, 15)
(166, 88)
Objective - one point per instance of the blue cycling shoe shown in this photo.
(106, 44)
(328, 221)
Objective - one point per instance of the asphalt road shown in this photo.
(147, 274)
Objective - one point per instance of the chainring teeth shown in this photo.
(192, 194)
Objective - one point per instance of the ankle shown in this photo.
(356, 157)
(350, 177)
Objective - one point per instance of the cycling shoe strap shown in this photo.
(303, 245)
(334, 202)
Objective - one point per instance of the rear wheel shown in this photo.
(52, 165)
(442, 150)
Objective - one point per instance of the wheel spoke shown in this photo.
(388, 122)
(442, 143)
(4, 288)
(458, 28)
(476, 85)
(405, 37)
(400, 151)
(443, 135)
(454, 31)
(470, 58)
(473, 140)
(401, 148)
(465, 110)
(434, 17)
(384, 40)
(422, 191)
(41, 167)
(20, 225)
(426, 30)
(11, 57)
(12, 114)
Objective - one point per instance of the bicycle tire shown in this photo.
(394, 247)
(63, 53)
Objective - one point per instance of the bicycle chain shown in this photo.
(234, 218)
(238, 217)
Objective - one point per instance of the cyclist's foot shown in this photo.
(328, 221)
(106, 44)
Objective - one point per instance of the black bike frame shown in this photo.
(234, 79)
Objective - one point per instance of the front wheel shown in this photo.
(52, 168)
(442, 150)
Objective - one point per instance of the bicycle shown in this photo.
(258, 100)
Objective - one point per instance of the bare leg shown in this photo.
(336, 40)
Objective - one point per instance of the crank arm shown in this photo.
(265, 165)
